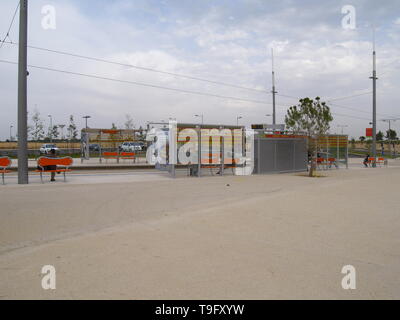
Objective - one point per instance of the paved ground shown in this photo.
(142, 235)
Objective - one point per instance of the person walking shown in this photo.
(365, 162)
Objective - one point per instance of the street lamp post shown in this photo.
(237, 119)
(11, 126)
(200, 116)
(86, 119)
(87, 148)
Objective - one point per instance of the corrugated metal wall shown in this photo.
(280, 155)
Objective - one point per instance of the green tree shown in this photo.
(379, 136)
(310, 117)
(54, 132)
(37, 128)
(362, 139)
(353, 143)
(391, 134)
(72, 131)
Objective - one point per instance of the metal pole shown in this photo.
(347, 152)
(11, 132)
(87, 151)
(374, 78)
(273, 90)
(22, 95)
(199, 151)
(222, 150)
(338, 151)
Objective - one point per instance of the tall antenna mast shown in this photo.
(273, 89)
(374, 78)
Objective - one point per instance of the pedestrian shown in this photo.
(366, 160)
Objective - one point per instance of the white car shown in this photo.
(46, 148)
(130, 147)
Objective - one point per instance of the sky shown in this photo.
(226, 41)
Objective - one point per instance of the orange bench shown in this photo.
(213, 161)
(110, 155)
(332, 161)
(64, 162)
(128, 156)
(321, 161)
(380, 161)
(371, 161)
(5, 163)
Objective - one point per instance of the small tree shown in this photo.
(379, 136)
(313, 118)
(54, 132)
(391, 134)
(37, 129)
(72, 131)
(353, 143)
(129, 125)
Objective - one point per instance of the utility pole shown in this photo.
(22, 95)
(342, 126)
(389, 121)
(273, 89)
(374, 78)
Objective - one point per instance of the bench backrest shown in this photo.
(331, 159)
(381, 159)
(5, 162)
(110, 154)
(127, 154)
(46, 161)
(371, 159)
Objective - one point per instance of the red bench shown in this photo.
(128, 156)
(213, 161)
(110, 155)
(381, 161)
(371, 161)
(64, 162)
(5, 163)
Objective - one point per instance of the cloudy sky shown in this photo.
(225, 41)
